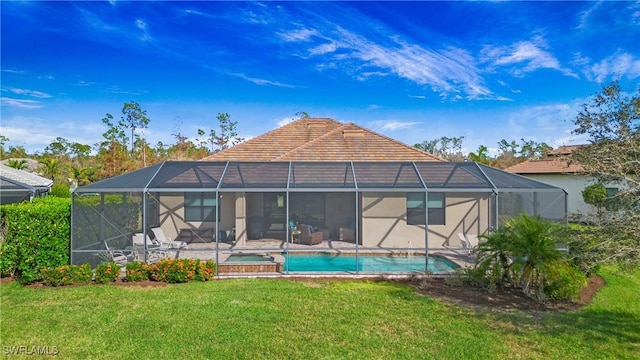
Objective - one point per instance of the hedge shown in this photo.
(36, 236)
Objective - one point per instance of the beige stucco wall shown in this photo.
(384, 220)
(171, 210)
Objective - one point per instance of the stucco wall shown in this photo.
(573, 185)
(384, 221)
(171, 211)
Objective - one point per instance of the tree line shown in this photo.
(123, 148)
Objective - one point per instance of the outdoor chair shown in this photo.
(306, 237)
(118, 256)
(164, 241)
(469, 242)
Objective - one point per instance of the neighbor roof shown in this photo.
(556, 162)
(23, 178)
(322, 139)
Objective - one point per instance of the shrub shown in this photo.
(61, 191)
(136, 271)
(106, 272)
(181, 270)
(66, 275)
(37, 236)
(565, 282)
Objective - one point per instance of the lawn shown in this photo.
(283, 319)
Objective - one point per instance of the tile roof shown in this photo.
(322, 139)
(22, 177)
(546, 166)
(556, 162)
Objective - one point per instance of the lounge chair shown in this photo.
(164, 241)
(469, 242)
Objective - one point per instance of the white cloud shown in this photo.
(142, 25)
(298, 35)
(285, 121)
(447, 71)
(417, 96)
(523, 57)
(392, 125)
(617, 65)
(262, 81)
(21, 103)
(373, 107)
(32, 93)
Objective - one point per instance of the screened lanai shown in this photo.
(302, 217)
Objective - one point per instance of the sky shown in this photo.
(412, 71)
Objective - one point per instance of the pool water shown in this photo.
(366, 263)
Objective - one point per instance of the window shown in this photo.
(200, 206)
(416, 207)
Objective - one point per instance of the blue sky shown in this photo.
(412, 71)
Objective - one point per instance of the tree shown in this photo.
(611, 120)
(51, 168)
(444, 147)
(226, 137)
(481, 155)
(3, 140)
(133, 117)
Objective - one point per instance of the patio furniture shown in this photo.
(118, 256)
(469, 242)
(307, 237)
(165, 241)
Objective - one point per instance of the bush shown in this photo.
(66, 275)
(106, 272)
(61, 191)
(37, 235)
(136, 271)
(565, 282)
(181, 270)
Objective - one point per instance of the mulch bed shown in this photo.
(502, 299)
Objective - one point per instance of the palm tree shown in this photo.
(522, 252)
(51, 167)
(19, 164)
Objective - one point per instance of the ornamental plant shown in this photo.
(66, 275)
(136, 271)
(106, 272)
(181, 270)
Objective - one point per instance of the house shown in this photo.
(19, 185)
(558, 170)
(314, 185)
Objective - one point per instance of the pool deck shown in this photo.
(206, 251)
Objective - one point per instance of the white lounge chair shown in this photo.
(154, 251)
(166, 241)
(469, 242)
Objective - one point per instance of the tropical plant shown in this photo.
(19, 164)
(523, 253)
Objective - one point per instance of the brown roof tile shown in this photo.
(546, 166)
(322, 139)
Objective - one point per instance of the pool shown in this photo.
(320, 262)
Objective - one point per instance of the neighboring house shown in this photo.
(556, 169)
(19, 185)
(345, 187)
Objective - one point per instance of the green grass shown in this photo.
(277, 319)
